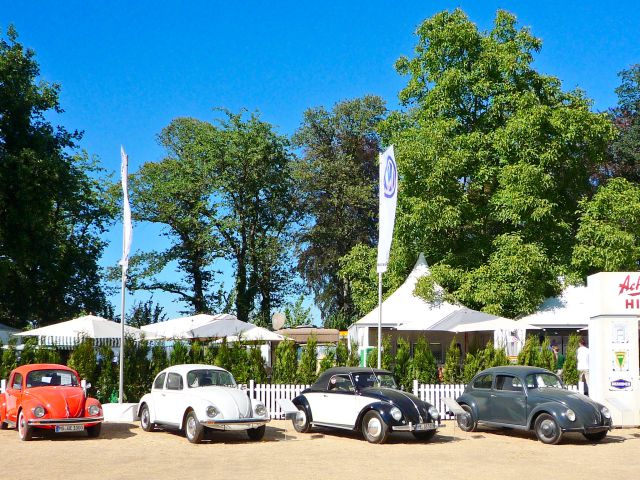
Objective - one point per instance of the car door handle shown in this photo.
(325, 395)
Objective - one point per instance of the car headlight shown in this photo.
(94, 410)
(260, 409)
(435, 414)
(212, 411)
(39, 411)
(396, 414)
(571, 415)
(605, 412)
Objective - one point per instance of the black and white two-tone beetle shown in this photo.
(366, 400)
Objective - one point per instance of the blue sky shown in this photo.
(128, 68)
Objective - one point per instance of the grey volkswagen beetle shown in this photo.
(531, 398)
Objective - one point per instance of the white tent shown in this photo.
(568, 310)
(198, 326)
(508, 334)
(257, 334)
(403, 310)
(69, 332)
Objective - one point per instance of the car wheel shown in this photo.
(94, 432)
(595, 437)
(374, 428)
(145, 419)
(193, 428)
(301, 421)
(424, 436)
(256, 434)
(547, 429)
(467, 423)
(24, 430)
(3, 425)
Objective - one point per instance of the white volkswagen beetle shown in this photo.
(192, 397)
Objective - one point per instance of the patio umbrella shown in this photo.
(69, 332)
(197, 326)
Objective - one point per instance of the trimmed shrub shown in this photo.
(107, 383)
(423, 365)
(353, 360)
(286, 363)
(402, 367)
(452, 370)
(239, 367)
(28, 353)
(137, 369)
(83, 360)
(341, 354)
(308, 366)
(255, 365)
(179, 353)
(9, 358)
(570, 370)
(223, 357)
(159, 360)
(328, 361)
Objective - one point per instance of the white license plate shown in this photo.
(69, 428)
(425, 426)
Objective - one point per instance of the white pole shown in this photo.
(121, 380)
(380, 320)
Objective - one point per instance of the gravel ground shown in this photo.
(124, 451)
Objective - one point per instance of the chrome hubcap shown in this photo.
(548, 428)
(374, 427)
(191, 427)
(301, 418)
(145, 417)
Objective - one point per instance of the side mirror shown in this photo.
(85, 385)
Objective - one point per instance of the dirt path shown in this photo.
(125, 451)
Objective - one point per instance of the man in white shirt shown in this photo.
(583, 363)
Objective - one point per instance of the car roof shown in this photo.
(513, 370)
(323, 379)
(187, 367)
(24, 369)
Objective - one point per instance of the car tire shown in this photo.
(595, 437)
(145, 419)
(25, 432)
(374, 428)
(424, 436)
(94, 432)
(193, 429)
(467, 423)
(301, 421)
(547, 429)
(3, 425)
(256, 434)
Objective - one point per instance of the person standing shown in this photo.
(560, 358)
(582, 355)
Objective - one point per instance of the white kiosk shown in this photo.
(613, 344)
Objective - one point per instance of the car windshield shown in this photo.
(543, 380)
(51, 378)
(206, 377)
(373, 379)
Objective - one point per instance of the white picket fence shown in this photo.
(269, 394)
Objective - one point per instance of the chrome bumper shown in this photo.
(241, 423)
(41, 422)
(411, 427)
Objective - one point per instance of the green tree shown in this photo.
(179, 353)
(353, 360)
(308, 365)
(10, 359)
(624, 152)
(107, 388)
(223, 357)
(54, 204)
(452, 371)
(83, 360)
(386, 359)
(423, 366)
(328, 361)
(255, 365)
(159, 360)
(223, 191)
(493, 159)
(286, 363)
(341, 354)
(570, 370)
(28, 353)
(471, 367)
(530, 353)
(338, 176)
(296, 314)
(239, 362)
(137, 369)
(609, 235)
(47, 355)
(402, 365)
(146, 313)
(196, 352)
(547, 359)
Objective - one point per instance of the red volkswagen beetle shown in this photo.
(51, 397)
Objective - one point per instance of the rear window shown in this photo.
(483, 381)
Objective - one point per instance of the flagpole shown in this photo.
(380, 320)
(124, 262)
(121, 377)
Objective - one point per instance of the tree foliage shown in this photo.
(223, 192)
(308, 365)
(338, 179)
(494, 158)
(452, 370)
(423, 365)
(53, 204)
(286, 363)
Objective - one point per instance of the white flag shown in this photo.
(388, 200)
(127, 230)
